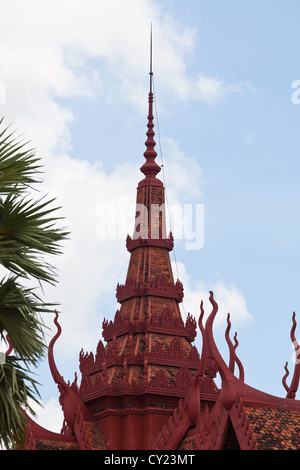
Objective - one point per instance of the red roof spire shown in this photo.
(150, 168)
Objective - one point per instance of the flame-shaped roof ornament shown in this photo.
(68, 399)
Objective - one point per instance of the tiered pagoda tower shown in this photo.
(149, 361)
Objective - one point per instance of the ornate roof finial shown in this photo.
(151, 70)
(69, 400)
(150, 168)
(292, 389)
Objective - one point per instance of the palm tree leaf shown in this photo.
(20, 311)
(28, 237)
(17, 387)
(27, 229)
(18, 165)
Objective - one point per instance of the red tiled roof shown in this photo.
(43, 444)
(275, 429)
(94, 435)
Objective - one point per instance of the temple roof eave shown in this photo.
(39, 432)
(253, 397)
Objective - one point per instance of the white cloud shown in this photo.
(181, 172)
(211, 89)
(49, 415)
(227, 295)
(53, 49)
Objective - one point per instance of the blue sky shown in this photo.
(76, 82)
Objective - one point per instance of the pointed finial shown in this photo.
(150, 168)
(151, 71)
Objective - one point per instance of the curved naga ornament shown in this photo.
(210, 350)
(292, 389)
(10, 346)
(232, 351)
(69, 400)
(208, 364)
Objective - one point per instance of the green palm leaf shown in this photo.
(18, 165)
(28, 236)
(16, 388)
(27, 230)
(20, 311)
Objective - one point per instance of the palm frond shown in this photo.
(18, 165)
(16, 388)
(28, 235)
(27, 230)
(20, 317)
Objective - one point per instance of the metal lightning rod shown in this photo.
(151, 71)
